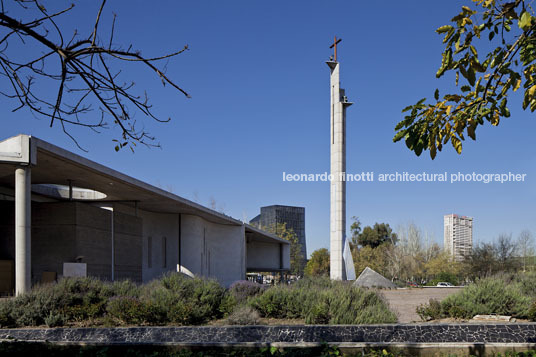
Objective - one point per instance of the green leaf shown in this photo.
(445, 28)
(465, 88)
(467, 9)
(433, 152)
(407, 108)
(473, 49)
(436, 94)
(409, 141)
(445, 62)
(491, 35)
(525, 21)
(418, 148)
(471, 131)
(399, 135)
(471, 77)
(457, 144)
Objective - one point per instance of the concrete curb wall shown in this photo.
(296, 335)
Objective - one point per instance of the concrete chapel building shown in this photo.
(64, 215)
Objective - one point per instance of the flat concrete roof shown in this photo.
(56, 166)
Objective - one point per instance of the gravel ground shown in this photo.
(405, 301)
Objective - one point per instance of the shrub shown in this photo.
(171, 299)
(532, 312)
(320, 301)
(238, 294)
(242, 290)
(69, 299)
(487, 296)
(183, 300)
(228, 304)
(54, 319)
(129, 310)
(430, 311)
(6, 317)
(527, 283)
(244, 315)
(122, 288)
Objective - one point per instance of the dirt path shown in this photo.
(405, 301)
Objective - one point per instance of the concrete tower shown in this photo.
(339, 103)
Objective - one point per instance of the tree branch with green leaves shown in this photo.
(484, 81)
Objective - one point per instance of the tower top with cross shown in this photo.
(334, 46)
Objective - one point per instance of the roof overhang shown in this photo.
(255, 234)
(54, 165)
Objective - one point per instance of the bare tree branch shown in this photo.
(83, 71)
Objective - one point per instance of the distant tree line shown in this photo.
(411, 255)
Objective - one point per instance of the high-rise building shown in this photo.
(458, 235)
(294, 217)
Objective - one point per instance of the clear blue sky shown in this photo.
(260, 106)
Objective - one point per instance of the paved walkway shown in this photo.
(405, 301)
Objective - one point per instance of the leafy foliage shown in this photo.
(242, 290)
(487, 79)
(170, 299)
(487, 296)
(128, 310)
(321, 301)
(374, 258)
(532, 312)
(430, 311)
(377, 235)
(318, 265)
(355, 230)
(488, 259)
(182, 300)
(244, 315)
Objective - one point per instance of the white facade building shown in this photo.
(458, 235)
(58, 209)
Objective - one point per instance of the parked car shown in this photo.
(444, 284)
(412, 284)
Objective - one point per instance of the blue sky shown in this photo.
(260, 107)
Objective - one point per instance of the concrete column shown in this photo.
(23, 230)
(338, 174)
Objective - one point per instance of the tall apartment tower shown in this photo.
(294, 217)
(458, 235)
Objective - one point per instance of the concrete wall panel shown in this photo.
(51, 246)
(213, 250)
(226, 253)
(263, 255)
(128, 253)
(192, 247)
(163, 229)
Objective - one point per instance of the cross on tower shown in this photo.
(334, 46)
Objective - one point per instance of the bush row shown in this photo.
(172, 299)
(502, 295)
(322, 301)
(179, 300)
